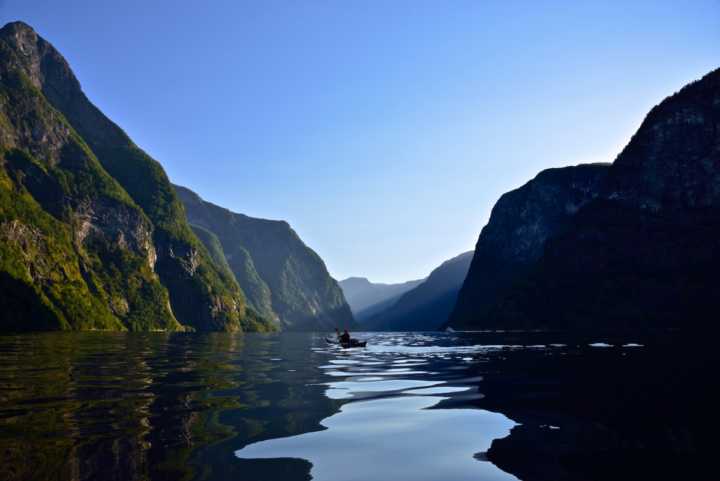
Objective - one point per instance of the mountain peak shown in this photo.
(17, 26)
(46, 68)
(20, 35)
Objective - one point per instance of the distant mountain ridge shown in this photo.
(92, 235)
(366, 298)
(427, 306)
(283, 279)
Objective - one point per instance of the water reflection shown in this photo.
(78, 406)
(397, 438)
(109, 406)
(391, 426)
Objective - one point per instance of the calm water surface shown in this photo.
(255, 407)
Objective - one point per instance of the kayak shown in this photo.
(347, 345)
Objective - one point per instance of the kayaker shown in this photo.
(345, 338)
(337, 333)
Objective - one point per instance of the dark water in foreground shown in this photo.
(255, 407)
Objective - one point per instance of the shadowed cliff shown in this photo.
(629, 245)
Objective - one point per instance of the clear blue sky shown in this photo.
(383, 131)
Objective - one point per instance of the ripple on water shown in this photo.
(437, 390)
(367, 372)
(350, 389)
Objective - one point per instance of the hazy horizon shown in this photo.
(382, 133)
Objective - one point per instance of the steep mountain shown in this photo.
(92, 233)
(283, 279)
(637, 248)
(514, 239)
(367, 298)
(427, 306)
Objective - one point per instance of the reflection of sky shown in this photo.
(395, 438)
(345, 389)
(385, 430)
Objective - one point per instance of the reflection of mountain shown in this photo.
(143, 407)
(633, 414)
(60, 436)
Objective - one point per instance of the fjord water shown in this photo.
(221, 406)
(258, 407)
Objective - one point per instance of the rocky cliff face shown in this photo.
(427, 306)
(514, 239)
(283, 279)
(637, 247)
(92, 234)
